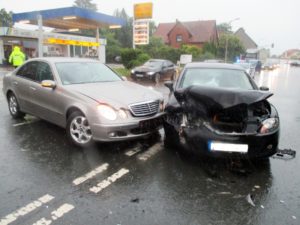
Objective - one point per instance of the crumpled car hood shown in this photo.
(220, 97)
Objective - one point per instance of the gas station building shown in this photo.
(64, 42)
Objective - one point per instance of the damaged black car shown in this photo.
(216, 109)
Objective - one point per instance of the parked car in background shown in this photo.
(155, 70)
(268, 66)
(85, 97)
(248, 67)
(295, 63)
(218, 110)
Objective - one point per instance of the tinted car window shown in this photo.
(153, 63)
(44, 72)
(224, 78)
(85, 72)
(28, 71)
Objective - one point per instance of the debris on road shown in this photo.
(294, 217)
(135, 200)
(249, 200)
(261, 206)
(285, 154)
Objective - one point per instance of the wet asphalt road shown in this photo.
(142, 183)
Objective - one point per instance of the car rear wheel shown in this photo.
(14, 107)
(79, 130)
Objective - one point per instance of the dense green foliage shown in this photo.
(86, 4)
(5, 18)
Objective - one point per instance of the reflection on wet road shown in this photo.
(44, 179)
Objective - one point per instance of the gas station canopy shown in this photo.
(69, 18)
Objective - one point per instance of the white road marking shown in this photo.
(151, 152)
(108, 181)
(24, 123)
(26, 209)
(132, 152)
(56, 214)
(90, 175)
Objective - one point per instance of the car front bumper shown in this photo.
(259, 145)
(127, 131)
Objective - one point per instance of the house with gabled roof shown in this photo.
(195, 33)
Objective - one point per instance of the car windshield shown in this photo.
(153, 63)
(215, 77)
(85, 72)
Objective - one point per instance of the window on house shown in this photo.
(179, 38)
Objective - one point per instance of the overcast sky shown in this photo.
(266, 21)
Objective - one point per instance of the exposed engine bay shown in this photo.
(224, 111)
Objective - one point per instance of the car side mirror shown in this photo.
(169, 84)
(48, 84)
(264, 88)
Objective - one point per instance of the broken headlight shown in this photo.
(269, 125)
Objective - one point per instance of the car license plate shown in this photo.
(139, 75)
(227, 147)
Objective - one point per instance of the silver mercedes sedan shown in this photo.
(85, 97)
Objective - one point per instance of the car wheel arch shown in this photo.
(8, 93)
(72, 110)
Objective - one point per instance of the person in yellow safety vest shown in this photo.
(17, 57)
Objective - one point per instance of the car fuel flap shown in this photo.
(221, 98)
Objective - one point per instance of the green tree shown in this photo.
(235, 47)
(5, 18)
(192, 50)
(210, 47)
(224, 28)
(124, 34)
(86, 4)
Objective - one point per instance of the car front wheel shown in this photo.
(14, 107)
(79, 130)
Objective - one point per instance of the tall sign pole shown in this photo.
(40, 43)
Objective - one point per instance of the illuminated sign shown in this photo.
(143, 11)
(71, 42)
(141, 32)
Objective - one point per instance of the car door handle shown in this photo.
(33, 88)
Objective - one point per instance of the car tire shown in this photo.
(171, 139)
(78, 130)
(156, 78)
(14, 108)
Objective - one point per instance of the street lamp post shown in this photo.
(226, 40)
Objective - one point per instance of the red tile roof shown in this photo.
(201, 31)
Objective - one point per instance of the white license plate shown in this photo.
(227, 147)
(139, 75)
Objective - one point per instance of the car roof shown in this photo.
(213, 65)
(63, 59)
(158, 60)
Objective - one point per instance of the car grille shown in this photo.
(145, 108)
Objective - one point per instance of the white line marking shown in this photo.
(24, 123)
(108, 181)
(90, 175)
(26, 209)
(56, 214)
(132, 152)
(151, 152)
